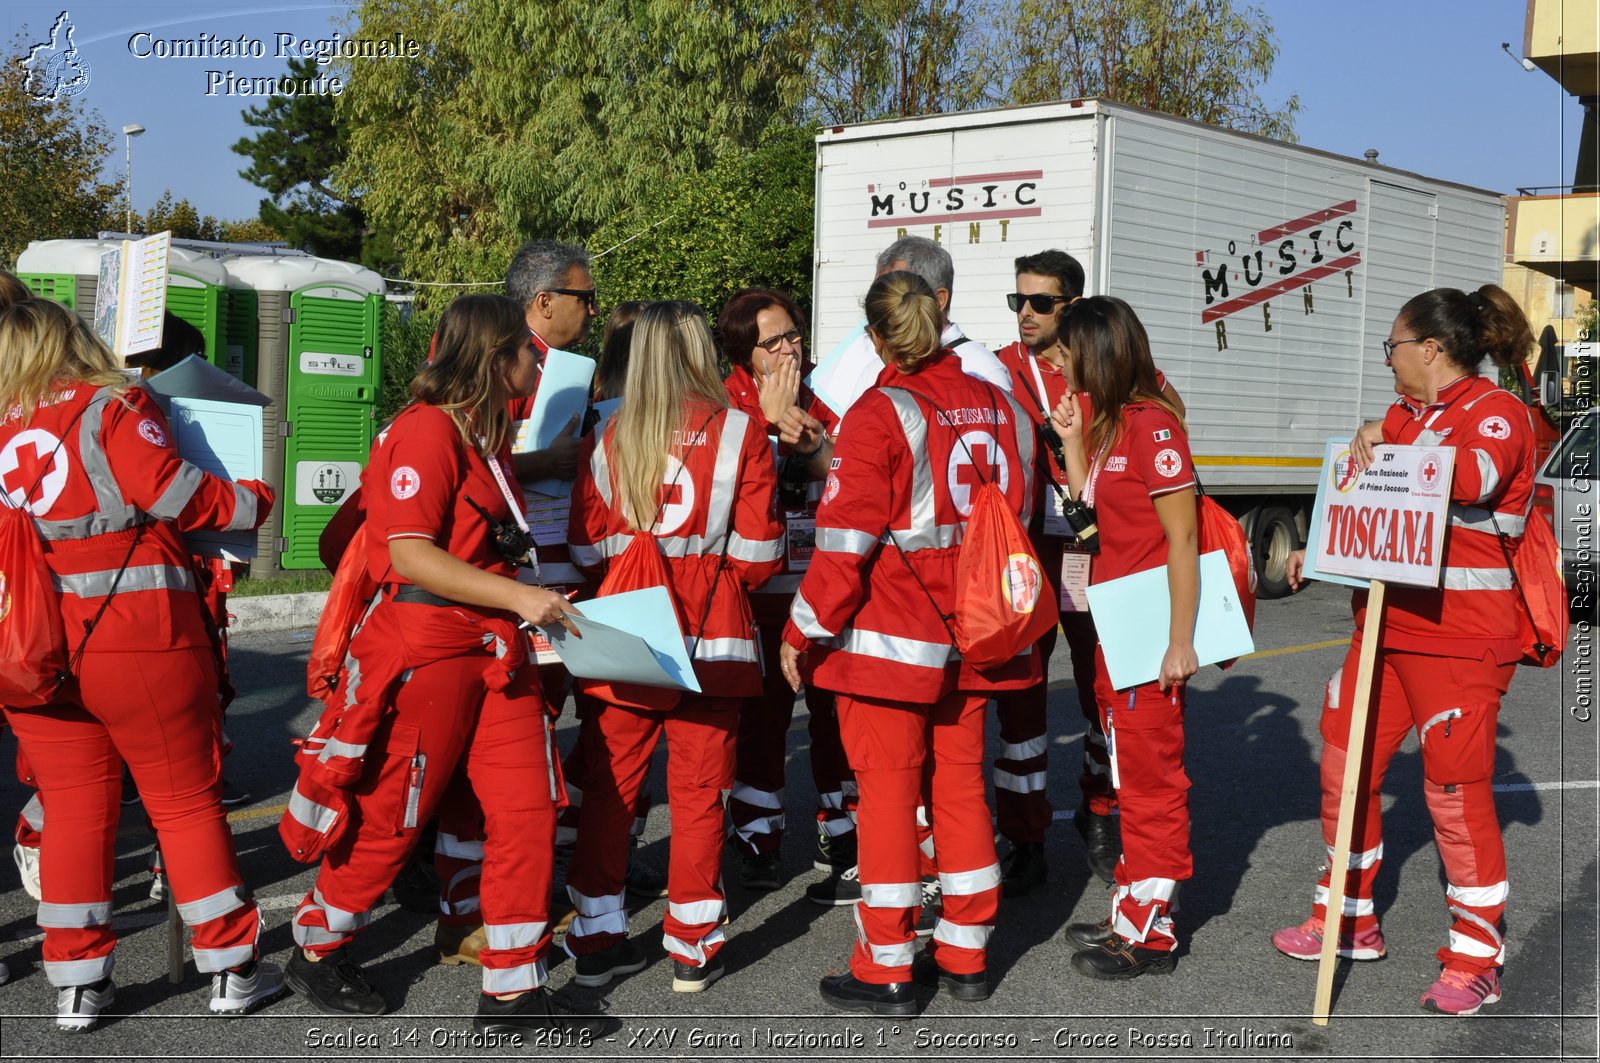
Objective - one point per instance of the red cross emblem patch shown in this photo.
(404, 482)
(1168, 463)
(151, 433)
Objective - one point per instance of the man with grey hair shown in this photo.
(859, 366)
(551, 281)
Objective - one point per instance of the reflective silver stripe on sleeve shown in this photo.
(178, 492)
(318, 818)
(783, 583)
(754, 550)
(720, 650)
(244, 509)
(588, 556)
(135, 578)
(845, 541)
(805, 618)
(921, 534)
(896, 648)
(1489, 476)
(600, 469)
(1477, 579)
(1485, 520)
(335, 748)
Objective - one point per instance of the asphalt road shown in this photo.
(1252, 753)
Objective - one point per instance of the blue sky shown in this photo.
(1423, 81)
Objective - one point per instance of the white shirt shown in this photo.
(858, 366)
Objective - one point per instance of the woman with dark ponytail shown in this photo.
(1447, 653)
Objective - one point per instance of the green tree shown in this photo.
(180, 218)
(51, 156)
(249, 231)
(551, 119)
(744, 222)
(1199, 59)
(294, 157)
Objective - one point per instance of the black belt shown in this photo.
(411, 594)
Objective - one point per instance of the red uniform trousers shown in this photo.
(905, 755)
(1094, 778)
(158, 712)
(572, 772)
(700, 738)
(1021, 804)
(756, 804)
(1144, 737)
(445, 715)
(1454, 703)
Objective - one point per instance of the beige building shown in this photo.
(1553, 234)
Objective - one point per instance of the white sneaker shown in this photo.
(27, 860)
(158, 886)
(78, 1007)
(233, 993)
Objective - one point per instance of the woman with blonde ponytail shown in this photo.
(680, 476)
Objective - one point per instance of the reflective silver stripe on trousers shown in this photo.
(73, 916)
(697, 913)
(1477, 579)
(244, 509)
(756, 798)
(134, 578)
(891, 894)
(518, 979)
(63, 973)
(513, 935)
(967, 883)
(452, 846)
(215, 906)
(210, 961)
(898, 955)
(960, 935)
(693, 954)
(897, 648)
(338, 919)
(1480, 896)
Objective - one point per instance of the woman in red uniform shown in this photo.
(1447, 653)
(1141, 484)
(88, 454)
(442, 692)
(694, 479)
(869, 619)
(761, 333)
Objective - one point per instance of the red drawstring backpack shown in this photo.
(1218, 530)
(348, 601)
(638, 566)
(1536, 573)
(33, 645)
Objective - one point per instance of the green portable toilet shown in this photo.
(68, 271)
(318, 358)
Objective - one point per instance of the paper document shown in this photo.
(563, 394)
(131, 295)
(606, 408)
(196, 378)
(846, 373)
(224, 439)
(631, 637)
(1132, 614)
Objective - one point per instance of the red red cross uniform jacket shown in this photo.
(111, 489)
(717, 490)
(900, 476)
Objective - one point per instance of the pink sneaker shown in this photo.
(1304, 942)
(1462, 992)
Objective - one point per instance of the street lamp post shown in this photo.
(130, 131)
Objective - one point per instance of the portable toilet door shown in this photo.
(64, 271)
(319, 359)
(197, 292)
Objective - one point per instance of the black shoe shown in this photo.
(925, 971)
(1088, 935)
(1117, 960)
(416, 885)
(1024, 868)
(233, 795)
(847, 992)
(334, 986)
(839, 888)
(643, 880)
(932, 907)
(687, 978)
(762, 872)
(536, 1009)
(598, 968)
(1100, 838)
(835, 852)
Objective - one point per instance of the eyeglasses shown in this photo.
(771, 345)
(586, 294)
(1390, 345)
(1041, 303)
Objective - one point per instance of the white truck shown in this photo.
(1267, 274)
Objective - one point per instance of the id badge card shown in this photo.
(1055, 522)
(799, 541)
(1074, 582)
(542, 651)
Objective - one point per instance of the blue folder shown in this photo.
(1132, 615)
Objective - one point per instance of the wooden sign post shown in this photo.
(1384, 524)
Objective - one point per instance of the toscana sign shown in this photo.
(1386, 522)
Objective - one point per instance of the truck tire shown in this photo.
(1272, 539)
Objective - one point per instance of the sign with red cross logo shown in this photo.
(677, 498)
(1385, 522)
(34, 456)
(979, 461)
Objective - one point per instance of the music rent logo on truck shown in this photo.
(1277, 260)
(56, 69)
(973, 199)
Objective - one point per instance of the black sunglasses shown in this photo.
(1041, 303)
(771, 345)
(586, 294)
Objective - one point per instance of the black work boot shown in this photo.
(851, 994)
(925, 971)
(1088, 935)
(1100, 838)
(334, 985)
(1023, 869)
(1118, 960)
